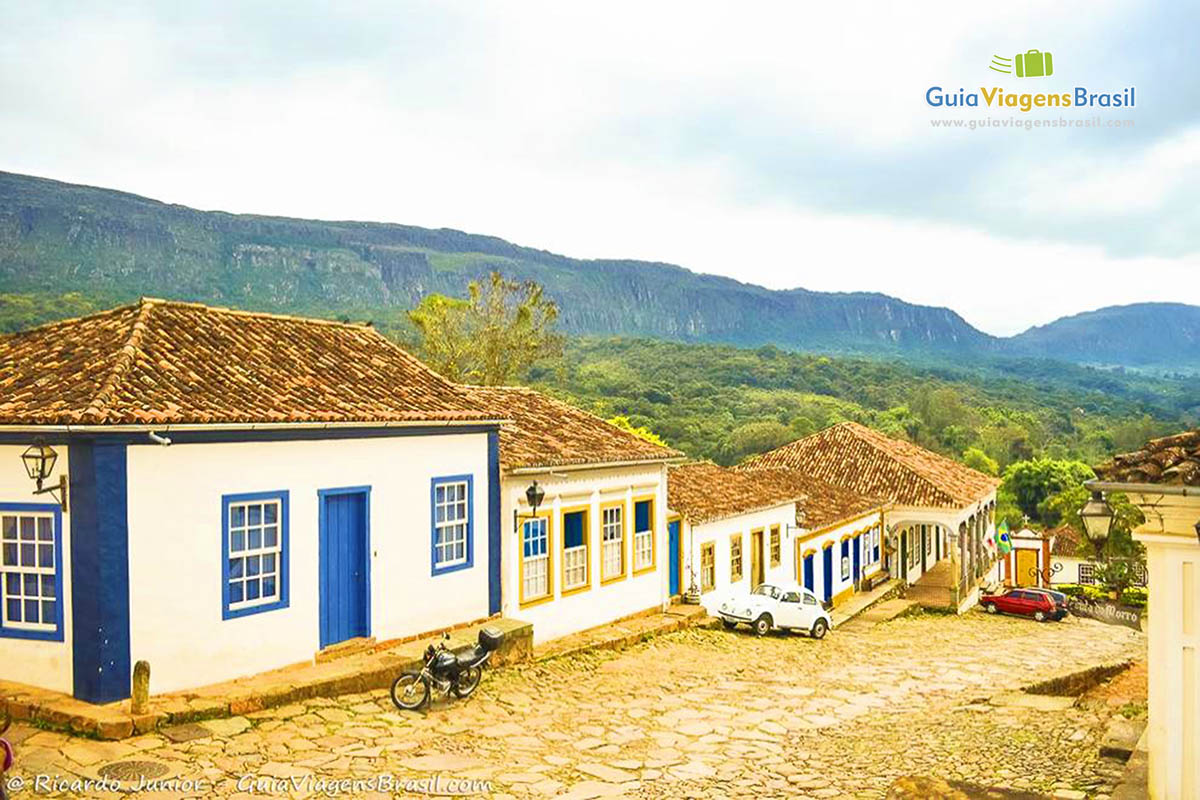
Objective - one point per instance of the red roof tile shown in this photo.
(703, 491)
(855, 457)
(1171, 460)
(161, 362)
(544, 432)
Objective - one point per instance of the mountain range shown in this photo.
(111, 246)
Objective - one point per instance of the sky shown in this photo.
(783, 144)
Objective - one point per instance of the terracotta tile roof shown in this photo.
(857, 458)
(1066, 541)
(544, 432)
(826, 504)
(1172, 460)
(703, 491)
(162, 362)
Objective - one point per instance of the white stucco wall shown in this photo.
(602, 602)
(720, 533)
(38, 663)
(175, 547)
(817, 542)
(1173, 628)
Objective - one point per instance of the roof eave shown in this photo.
(535, 469)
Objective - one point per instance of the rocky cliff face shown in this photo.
(57, 237)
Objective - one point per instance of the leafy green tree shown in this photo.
(753, 438)
(494, 336)
(976, 459)
(640, 431)
(1030, 483)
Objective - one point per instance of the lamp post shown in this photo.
(1097, 521)
(534, 496)
(39, 460)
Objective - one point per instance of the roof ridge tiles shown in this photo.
(97, 408)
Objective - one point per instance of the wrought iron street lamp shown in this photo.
(534, 496)
(39, 460)
(1097, 520)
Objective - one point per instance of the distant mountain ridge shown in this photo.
(57, 237)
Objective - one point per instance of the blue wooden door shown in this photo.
(827, 575)
(857, 548)
(809, 577)
(673, 553)
(345, 566)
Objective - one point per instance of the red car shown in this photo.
(1026, 602)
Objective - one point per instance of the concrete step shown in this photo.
(350, 647)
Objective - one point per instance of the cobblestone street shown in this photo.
(699, 713)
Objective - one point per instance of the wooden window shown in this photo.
(451, 523)
(31, 572)
(776, 547)
(535, 560)
(612, 547)
(643, 535)
(575, 550)
(255, 553)
(708, 567)
(735, 558)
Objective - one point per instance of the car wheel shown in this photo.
(991, 608)
(819, 629)
(1040, 616)
(762, 625)
(729, 624)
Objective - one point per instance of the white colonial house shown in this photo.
(840, 550)
(596, 548)
(229, 492)
(939, 533)
(736, 530)
(1163, 480)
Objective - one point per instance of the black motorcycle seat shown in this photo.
(469, 657)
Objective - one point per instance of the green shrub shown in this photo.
(1070, 589)
(1135, 596)
(1094, 593)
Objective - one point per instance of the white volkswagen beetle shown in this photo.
(789, 607)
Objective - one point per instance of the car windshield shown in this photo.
(766, 589)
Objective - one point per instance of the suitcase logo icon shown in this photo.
(1030, 64)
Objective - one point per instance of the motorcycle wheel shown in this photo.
(468, 681)
(410, 691)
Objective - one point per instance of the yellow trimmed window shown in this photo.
(535, 559)
(776, 547)
(575, 550)
(708, 567)
(735, 558)
(612, 551)
(643, 535)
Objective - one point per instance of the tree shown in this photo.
(494, 336)
(976, 459)
(1030, 483)
(640, 431)
(753, 438)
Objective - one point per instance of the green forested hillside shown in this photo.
(58, 238)
(724, 403)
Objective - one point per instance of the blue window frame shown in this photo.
(31, 571)
(254, 553)
(452, 523)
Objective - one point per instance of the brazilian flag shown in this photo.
(1003, 541)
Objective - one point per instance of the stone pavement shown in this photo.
(372, 667)
(860, 601)
(694, 714)
(623, 633)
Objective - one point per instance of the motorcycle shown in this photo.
(446, 671)
(6, 757)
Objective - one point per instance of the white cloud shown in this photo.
(669, 132)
